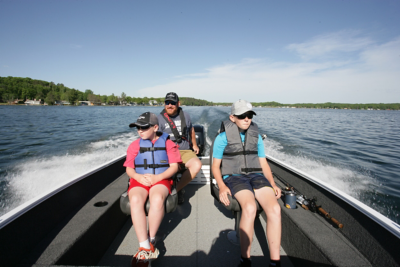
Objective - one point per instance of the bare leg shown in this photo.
(137, 199)
(158, 194)
(193, 167)
(266, 198)
(246, 228)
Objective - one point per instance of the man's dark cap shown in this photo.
(145, 119)
(172, 96)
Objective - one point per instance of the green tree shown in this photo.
(86, 94)
(50, 98)
(123, 96)
(112, 100)
(103, 99)
(73, 96)
(9, 97)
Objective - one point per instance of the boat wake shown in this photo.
(39, 175)
(348, 181)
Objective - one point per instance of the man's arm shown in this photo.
(194, 141)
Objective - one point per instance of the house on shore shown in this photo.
(18, 101)
(62, 103)
(89, 103)
(153, 103)
(34, 102)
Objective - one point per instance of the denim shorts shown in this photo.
(250, 182)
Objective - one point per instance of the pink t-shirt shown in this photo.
(172, 152)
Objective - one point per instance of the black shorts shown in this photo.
(250, 182)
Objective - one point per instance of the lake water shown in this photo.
(356, 151)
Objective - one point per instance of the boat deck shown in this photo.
(193, 235)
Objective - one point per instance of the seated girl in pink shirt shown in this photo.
(150, 163)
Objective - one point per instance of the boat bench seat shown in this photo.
(87, 234)
(308, 233)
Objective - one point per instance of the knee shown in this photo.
(249, 211)
(157, 202)
(274, 211)
(195, 166)
(136, 202)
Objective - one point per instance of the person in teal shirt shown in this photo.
(241, 170)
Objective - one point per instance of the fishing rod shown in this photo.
(308, 204)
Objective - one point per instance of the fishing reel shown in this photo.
(306, 203)
(312, 205)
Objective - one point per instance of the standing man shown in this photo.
(174, 121)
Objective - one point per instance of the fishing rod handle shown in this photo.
(338, 224)
(326, 214)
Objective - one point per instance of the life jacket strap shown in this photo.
(147, 149)
(172, 126)
(151, 166)
(251, 170)
(240, 153)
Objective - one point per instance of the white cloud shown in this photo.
(331, 44)
(383, 57)
(370, 75)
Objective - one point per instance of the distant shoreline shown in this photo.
(56, 94)
(294, 106)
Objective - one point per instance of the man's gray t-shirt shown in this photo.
(164, 126)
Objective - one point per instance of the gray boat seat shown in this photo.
(233, 206)
(171, 202)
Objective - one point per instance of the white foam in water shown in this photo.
(346, 180)
(208, 140)
(38, 176)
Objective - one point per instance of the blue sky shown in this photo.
(221, 51)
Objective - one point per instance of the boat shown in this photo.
(81, 223)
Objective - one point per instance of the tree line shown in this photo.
(328, 105)
(16, 88)
(21, 89)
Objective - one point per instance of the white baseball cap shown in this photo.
(241, 106)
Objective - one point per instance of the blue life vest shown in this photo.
(152, 158)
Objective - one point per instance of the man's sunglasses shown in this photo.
(170, 102)
(244, 115)
(144, 128)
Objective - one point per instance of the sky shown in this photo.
(221, 51)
